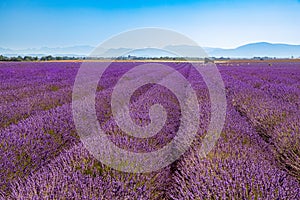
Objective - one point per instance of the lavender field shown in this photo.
(256, 157)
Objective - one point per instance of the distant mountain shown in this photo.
(82, 50)
(187, 51)
(5, 51)
(111, 52)
(68, 50)
(261, 49)
(209, 50)
(150, 53)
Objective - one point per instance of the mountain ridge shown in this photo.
(259, 49)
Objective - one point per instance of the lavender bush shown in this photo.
(256, 157)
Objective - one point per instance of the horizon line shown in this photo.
(92, 46)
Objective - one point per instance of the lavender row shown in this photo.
(240, 167)
(275, 119)
(33, 142)
(261, 131)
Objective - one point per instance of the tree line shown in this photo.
(35, 58)
(58, 58)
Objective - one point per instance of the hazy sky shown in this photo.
(219, 23)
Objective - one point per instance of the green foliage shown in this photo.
(54, 88)
(35, 58)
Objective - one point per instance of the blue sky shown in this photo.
(219, 23)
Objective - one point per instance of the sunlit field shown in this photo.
(256, 157)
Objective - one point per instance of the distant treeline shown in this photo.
(35, 58)
(58, 58)
(49, 58)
